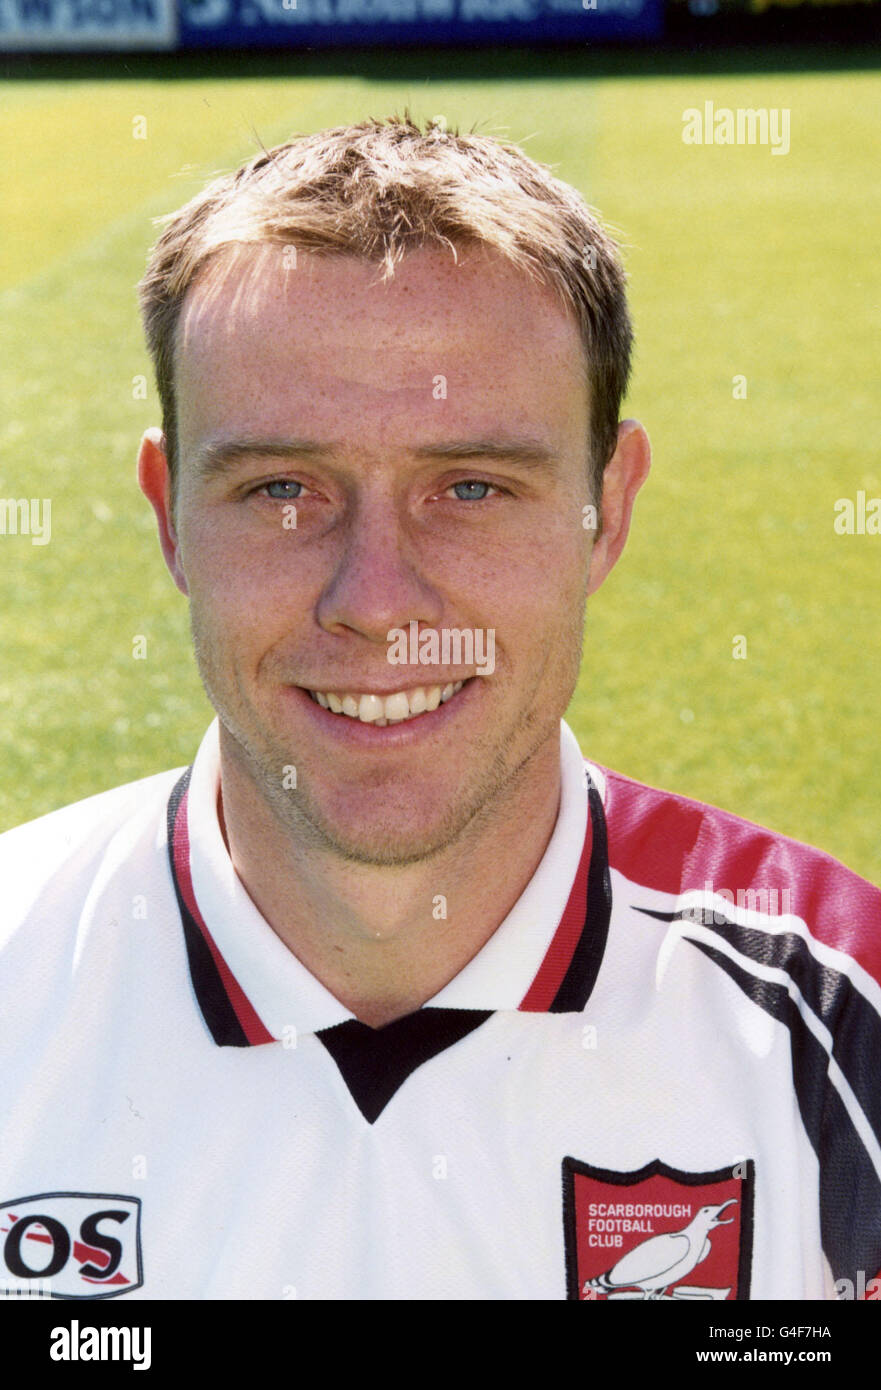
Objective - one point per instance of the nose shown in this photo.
(377, 583)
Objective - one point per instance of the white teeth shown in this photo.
(370, 708)
(382, 710)
(397, 706)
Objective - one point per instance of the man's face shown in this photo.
(431, 433)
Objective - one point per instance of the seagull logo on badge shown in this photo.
(661, 1261)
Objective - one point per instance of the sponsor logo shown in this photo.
(658, 1233)
(70, 1245)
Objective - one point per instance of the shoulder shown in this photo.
(60, 854)
(672, 845)
(75, 823)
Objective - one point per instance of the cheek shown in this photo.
(549, 585)
(234, 582)
(229, 625)
(538, 629)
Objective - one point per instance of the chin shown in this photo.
(388, 824)
(390, 835)
(388, 849)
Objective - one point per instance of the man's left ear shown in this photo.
(625, 474)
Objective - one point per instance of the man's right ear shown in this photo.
(154, 476)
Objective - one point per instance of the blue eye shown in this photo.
(286, 491)
(471, 491)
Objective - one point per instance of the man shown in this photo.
(391, 995)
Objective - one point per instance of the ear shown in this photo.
(154, 477)
(625, 474)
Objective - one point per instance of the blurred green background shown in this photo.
(741, 263)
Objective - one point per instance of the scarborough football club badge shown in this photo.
(70, 1245)
(657, 1233)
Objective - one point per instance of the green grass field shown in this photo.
(741, 263)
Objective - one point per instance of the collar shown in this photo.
(544, 956)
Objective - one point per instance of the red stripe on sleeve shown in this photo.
(674, 845)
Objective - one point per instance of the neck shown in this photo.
(384, 940)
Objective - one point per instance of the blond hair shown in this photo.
(379, 189)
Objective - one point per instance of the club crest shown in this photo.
(658, 1234)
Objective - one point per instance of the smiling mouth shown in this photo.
(381, 710)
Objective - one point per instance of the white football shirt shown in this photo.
(658, 1079)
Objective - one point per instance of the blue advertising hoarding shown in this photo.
(307, 23)
(65, 25)
(59, 25)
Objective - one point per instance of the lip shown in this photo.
(353, 733)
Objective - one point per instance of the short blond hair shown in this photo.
(379, 189)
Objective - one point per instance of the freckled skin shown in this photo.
(329, 353)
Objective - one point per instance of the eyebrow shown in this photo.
(216, 459)
(531, 453)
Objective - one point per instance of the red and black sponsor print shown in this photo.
(70, 1245)
(657, 1233)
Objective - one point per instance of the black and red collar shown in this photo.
(375, 1062)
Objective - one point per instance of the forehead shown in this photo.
(272, 342)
